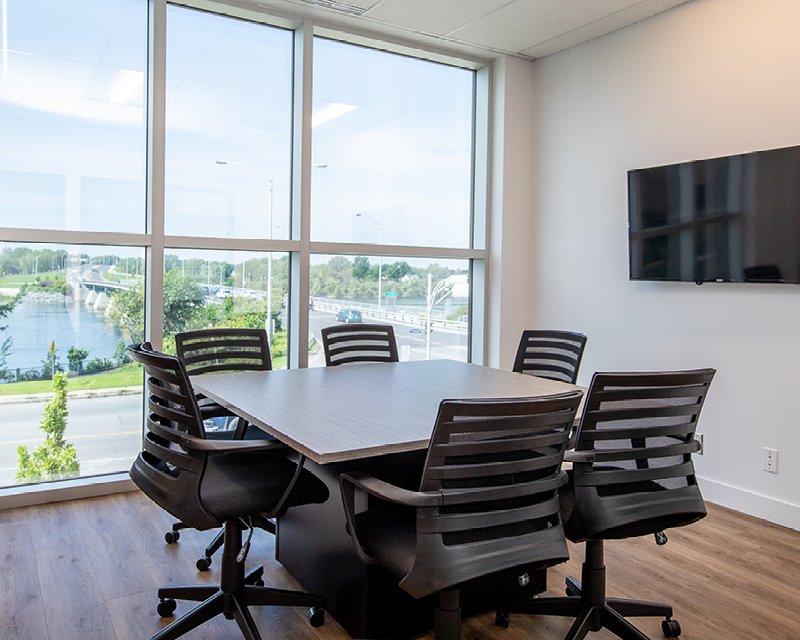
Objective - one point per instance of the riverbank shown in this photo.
(81, 393)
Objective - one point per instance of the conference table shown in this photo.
(376, 418)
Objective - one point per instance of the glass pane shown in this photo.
(414, 294)
(229, 114)
(72, 115)
(396, 135)
(207, 289)
(59, 315)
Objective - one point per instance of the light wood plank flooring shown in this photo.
(89, 569)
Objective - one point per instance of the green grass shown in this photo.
(129, 375)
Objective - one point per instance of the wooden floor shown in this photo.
(89, 569)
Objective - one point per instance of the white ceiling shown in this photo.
(526, 28)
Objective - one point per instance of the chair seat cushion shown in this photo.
(389, 534)
(243, 484)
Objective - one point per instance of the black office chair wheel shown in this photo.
(670, 628)
(166, 607)
(501, 620)
(661, 537)
(203, 564)
(573, 586)
(259, 583)
(171, 537)
(316, 616)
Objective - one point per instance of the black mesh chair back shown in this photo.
(632, 475)
(550, 354)
(497, 466)
(359, 343)
(167, 470)
(208, 483)
(638, 432)
(487, 505)
(222, 350)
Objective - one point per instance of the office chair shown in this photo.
(487, 503)
(209, 483)
(358, 343)
(221, 351)
(632, 476)
(550, 354)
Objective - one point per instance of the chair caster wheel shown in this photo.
(258, 583)
(166, 607)
(316, 615)
(203, 563)
(501, 620)
(171, 537)
(670, 628)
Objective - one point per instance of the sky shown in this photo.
(72, 129)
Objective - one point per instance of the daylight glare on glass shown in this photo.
(154, 180)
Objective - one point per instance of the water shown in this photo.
(34, 325)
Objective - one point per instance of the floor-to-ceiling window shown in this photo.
(396, 134)
(150, 183)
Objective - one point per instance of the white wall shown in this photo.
(511, 203)
(709, 78)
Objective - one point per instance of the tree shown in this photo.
(183, 300)
(8, 343)
(55, 458)
(360, 266)
(50, 363)
(75, 358)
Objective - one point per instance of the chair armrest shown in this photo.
(225, 446)
(579, 456)
(364, 484)
(390, 492)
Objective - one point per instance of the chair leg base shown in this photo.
(232, 597)
(609, 614)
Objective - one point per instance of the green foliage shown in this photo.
(8, 343)
(360, 267)
(121, 354)
(49, 362)
(55, 458)
(75, 358)
(126, 311)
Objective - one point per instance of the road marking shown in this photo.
(78, 437)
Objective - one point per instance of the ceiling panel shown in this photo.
(526, 28)
(439, 17)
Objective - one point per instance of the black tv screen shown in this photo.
(734, 219)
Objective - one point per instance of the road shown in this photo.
(444, 344)
(106, 432)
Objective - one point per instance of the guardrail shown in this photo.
(413, 316)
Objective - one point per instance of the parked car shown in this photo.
(348, 315)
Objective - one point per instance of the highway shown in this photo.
(447, 344)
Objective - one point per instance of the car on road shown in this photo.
(348, 315)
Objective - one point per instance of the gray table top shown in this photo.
(344, 413)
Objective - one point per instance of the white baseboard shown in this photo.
(764, 507)
(46, 492)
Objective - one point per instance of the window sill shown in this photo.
(46, 492)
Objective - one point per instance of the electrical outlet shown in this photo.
(770, 460)
(699, 438)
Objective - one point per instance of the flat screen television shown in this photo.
(734, 219)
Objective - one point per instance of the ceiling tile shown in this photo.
(439, 17)
(619, 20)
(526, 23)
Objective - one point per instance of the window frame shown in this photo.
(299, 246)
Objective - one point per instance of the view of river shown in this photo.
(34, 325)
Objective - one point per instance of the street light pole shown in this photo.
(440, 288)
(274, 181)
(380, 258)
